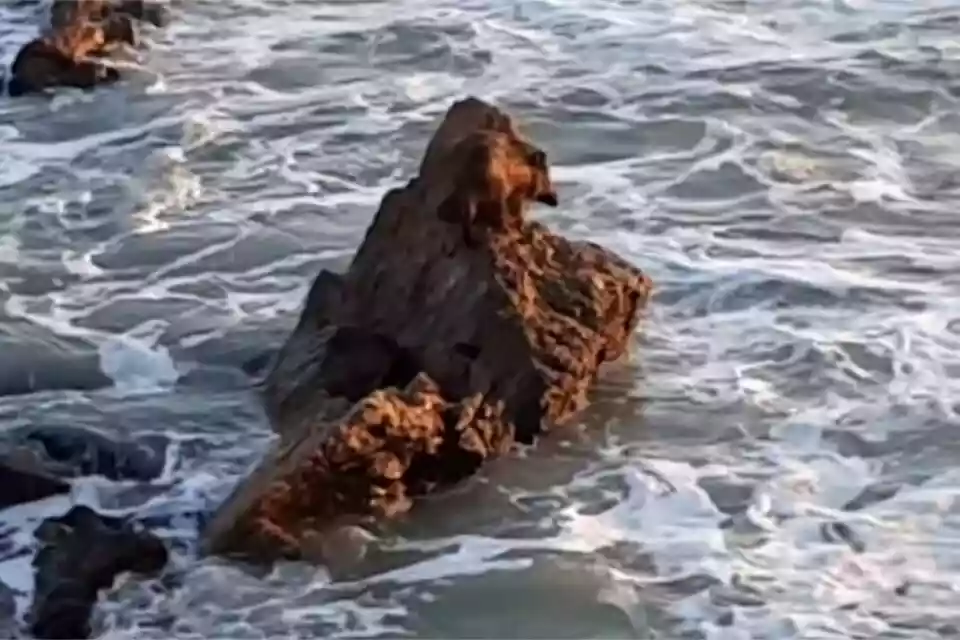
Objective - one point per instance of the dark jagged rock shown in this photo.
(8, 612)
(24, 478)
(86, 453)
(456, 339)
(256, 365)
(38, 462)
(81, 553)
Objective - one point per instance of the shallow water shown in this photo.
(786, 171)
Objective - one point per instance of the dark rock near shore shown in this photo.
(84, 452)
(25, 478)
(439, 347)
(81, 553)
(38, 462)
(8, 612)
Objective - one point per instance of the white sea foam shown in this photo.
(762, 161)
(17, 572)
(135, 365)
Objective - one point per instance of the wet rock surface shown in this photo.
(24, 477)
(8, 613)
(39, 462)
(436, 350)
(84, 452)
(80, 554)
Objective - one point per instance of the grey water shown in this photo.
(787, 171)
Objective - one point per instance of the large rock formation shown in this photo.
(439, 347)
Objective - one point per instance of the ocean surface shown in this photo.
(777, 459)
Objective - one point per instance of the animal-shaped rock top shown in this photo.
(494, 174)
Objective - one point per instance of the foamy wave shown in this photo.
(135, 365)
(785, 173)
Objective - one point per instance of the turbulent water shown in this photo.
(785, 170)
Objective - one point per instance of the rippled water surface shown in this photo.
(786, 171)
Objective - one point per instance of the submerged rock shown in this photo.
(81, 553)
(459, 328)
(25, 478)
(39, 462)
(65, 57)
(84, 452)
(8, 612)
